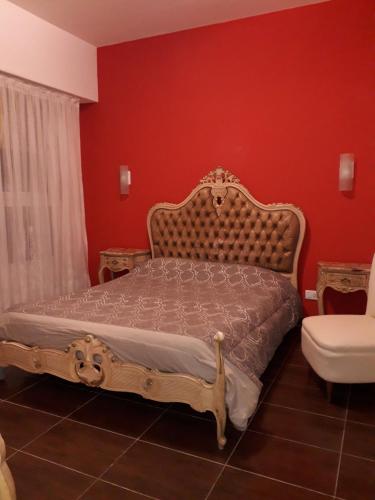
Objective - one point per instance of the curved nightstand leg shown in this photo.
(320, 294)
(2, 373)
(101, 274)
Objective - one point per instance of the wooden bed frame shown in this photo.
(7, 489)
(220, 220)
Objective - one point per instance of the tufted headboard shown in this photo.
(220, 220)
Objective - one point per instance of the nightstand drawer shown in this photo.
(347, 280)
(118, 263)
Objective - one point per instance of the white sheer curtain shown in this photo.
(43, 247)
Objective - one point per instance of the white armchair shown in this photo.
(341, 348)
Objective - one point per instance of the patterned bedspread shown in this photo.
(254, 307)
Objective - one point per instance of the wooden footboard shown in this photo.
(90, 361)
(7, 489)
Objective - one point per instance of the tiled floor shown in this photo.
(67, 442)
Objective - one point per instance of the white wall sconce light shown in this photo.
(125, 179)
(346, 172)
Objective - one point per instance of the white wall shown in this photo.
(36, 50)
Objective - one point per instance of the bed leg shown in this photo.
(220, 411)
(220, 428)
(7, 488)
(2, 373)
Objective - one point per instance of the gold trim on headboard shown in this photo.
(221, 221)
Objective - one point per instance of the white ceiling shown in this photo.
(103, 22)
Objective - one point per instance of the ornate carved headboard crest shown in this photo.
(218, 178)
(220, 220)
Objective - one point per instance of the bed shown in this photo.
(197, 324)
(7, 488)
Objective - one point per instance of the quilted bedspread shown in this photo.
(252, 306)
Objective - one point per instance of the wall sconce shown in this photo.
(346, 172)
(125, 179)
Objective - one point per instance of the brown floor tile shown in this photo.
(309, 398)
(296, 356)
(135, 398)
(9, 451)
(308, 428)
(37, 479)
(163, 473)
(300, 376)
(16, 380)
(267, 384)
(295, 463)
(360, 440)
(19, 425)
(188, 410)
(105, 491)
(53, 396)
(192, 435)
(356, 479)
(239, 485)
(80, 447)
(118, 415)
(362, 403)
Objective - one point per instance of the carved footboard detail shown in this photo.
(91, 362)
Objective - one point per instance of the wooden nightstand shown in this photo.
(343, 277)
(120, 259)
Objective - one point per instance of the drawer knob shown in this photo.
(115, 262)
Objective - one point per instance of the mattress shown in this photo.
(164, 315)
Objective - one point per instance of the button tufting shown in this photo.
(248, 234)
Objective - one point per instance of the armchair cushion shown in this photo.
(342, 333)
(340, 348)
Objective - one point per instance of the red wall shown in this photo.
(274, 98)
